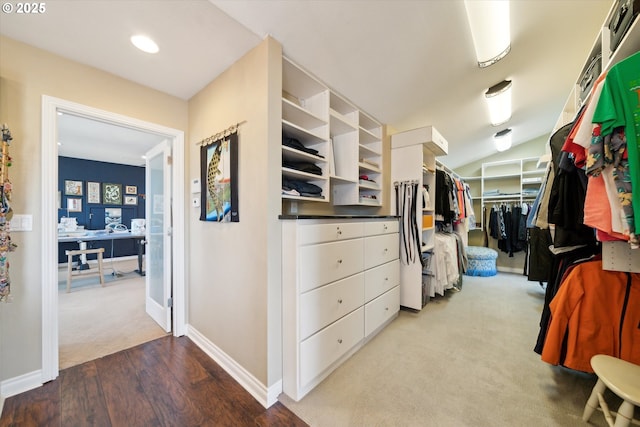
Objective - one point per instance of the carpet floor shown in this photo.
(466, 359)
(95, 321)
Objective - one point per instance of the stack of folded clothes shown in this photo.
(296, 144)
(302, 166)
(296, 187)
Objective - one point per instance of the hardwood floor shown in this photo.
(166, 382)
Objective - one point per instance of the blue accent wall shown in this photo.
(92, 216)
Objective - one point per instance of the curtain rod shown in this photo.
(228, 131)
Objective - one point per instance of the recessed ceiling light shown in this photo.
(144, 43)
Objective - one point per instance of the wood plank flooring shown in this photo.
(166, 382)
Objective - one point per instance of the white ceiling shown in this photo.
(408, 63)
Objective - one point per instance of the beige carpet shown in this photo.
(464, 360)
(95, 321)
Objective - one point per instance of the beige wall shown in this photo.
(27, 73)
(234, 291)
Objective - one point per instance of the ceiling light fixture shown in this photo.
(145, 44)
(490, 29)
(502, 140)
(499, 102)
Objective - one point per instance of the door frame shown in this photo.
(49, 183)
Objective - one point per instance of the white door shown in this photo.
(158, 234)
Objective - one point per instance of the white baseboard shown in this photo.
(514, 270)
(20, 384)
(267, 396)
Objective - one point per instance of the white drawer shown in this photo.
(328, 262)
(381, 309)
(380, 249)
(326, 304)
(379, 280)
(373, 228)
(319, 351)
(320, 233)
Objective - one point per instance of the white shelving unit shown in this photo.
(616, 255)
(516, 180)
(305, 117)
(413, 158)
(348, 141)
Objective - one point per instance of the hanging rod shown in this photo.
(228, 131)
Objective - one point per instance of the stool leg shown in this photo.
(593, 403)
(100, 268)
(69, 267)
(625, 415)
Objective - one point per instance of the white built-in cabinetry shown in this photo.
(340, 287)
(348, 141)
(514, 181)
(413, 158)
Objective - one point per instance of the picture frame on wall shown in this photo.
(130, 200)
(93, 192)
(74, 204)
(111, 194)
(72, 188)
(131, 189)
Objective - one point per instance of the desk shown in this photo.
(92, 236)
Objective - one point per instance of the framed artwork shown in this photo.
(130, 200)
(72, 188)
(112, 216)
(111, 194)
(93, 192)
(130, 189)
(74, 204)
(219, 180)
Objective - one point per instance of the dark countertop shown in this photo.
(337, 216)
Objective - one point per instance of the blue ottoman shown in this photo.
(481, 261)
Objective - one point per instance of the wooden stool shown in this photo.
(70, 255)
(622, 378)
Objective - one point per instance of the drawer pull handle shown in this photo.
(339, 340)
(339, 232)
(340, 301)
(386, 250)
(386, 279)
(339, 261)
(385, 226)
(386, 308)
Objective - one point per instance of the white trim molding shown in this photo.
(50, 107)
(267, 396)
(20, 384)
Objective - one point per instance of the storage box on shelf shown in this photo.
(340, 287)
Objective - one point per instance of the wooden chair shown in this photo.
(71, 254)
(623, 379)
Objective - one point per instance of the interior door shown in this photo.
(158, 234)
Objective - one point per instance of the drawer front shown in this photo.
(328, 262)
(321, 233)
(322, 306)
(379, 280)
(381, 309)
(319, 351)
(373, 228)
(380, 249)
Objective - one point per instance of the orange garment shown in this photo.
(599, 311)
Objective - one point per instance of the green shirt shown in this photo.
(619, 105)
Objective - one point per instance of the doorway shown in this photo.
(50, 108)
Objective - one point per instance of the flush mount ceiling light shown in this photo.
(490, 29)
(499, 102)
(145, 44)
(502, 140)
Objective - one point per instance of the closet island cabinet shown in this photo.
(340, 279)
(328, 142)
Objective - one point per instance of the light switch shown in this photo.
(21, 223)
(195, 186)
